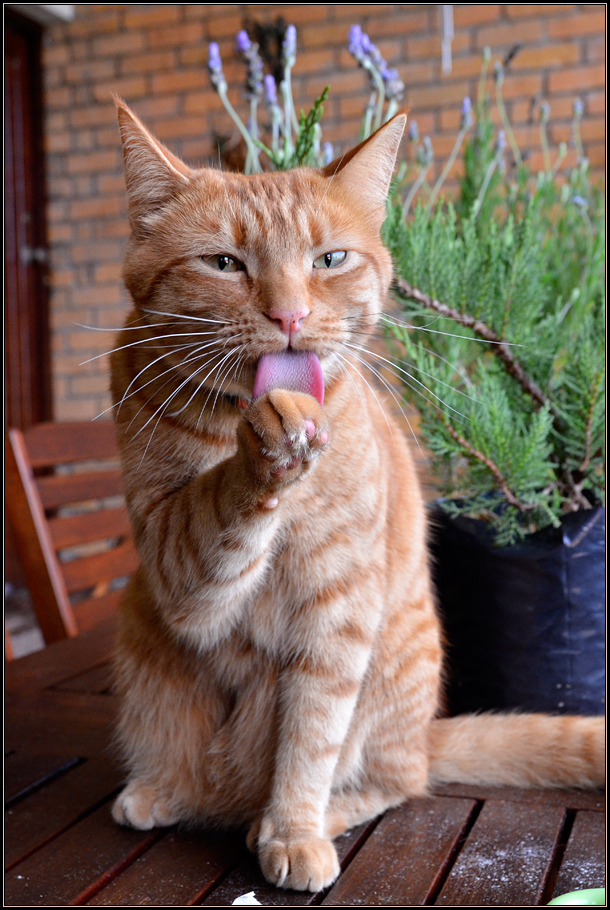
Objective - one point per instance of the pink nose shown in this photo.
(289, 321)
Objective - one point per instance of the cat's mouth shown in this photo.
(299, 371)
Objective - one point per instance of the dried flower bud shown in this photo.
(578, 108)
(545, 111)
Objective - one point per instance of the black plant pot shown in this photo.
(524, 625)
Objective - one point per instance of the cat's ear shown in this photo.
(153, 174)
(367, 169)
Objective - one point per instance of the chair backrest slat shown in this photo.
(100, 568)
(86, 527)
(71, 467)
(78, 441)
(64, 489)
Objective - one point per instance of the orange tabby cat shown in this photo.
(280, 659)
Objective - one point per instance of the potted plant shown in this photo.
(498, 340)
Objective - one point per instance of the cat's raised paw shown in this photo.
(283, 432)
(140, 806)
(307, 864)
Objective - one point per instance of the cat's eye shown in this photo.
(223, 263)
(330, 260)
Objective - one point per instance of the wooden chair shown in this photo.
(64, 500)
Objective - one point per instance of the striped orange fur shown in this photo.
(280, 656)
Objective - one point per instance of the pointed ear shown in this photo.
(367, 169)
(153, 174)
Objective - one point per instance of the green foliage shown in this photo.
(514, 408)
(306, 149)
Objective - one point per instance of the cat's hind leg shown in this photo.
(143, 807)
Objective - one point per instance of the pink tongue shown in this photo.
(296, 370)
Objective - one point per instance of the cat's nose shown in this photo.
(289, 321)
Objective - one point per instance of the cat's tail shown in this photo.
(522, 750)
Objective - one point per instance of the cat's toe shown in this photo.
(304, 865)
(140, 806)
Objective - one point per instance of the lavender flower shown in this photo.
(466, 114)
(580, 201)
(394, 86)
(500, 145)
(289, 47)
(270, 91)
(578, 108)
(254, 77)
(243, 42)
(413, 131)
(498, 73)
(215, 68)
(545, 112)
(425, 153)
(328, 153)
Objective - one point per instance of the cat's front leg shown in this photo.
(318, 696)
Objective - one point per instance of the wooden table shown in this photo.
(462, 846)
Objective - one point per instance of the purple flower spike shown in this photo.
(289, 46)
(270, 90)
(466, 120)
(242, 41)
(328, 153)
(215, 68)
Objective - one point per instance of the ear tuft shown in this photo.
(367, 169)
(153, 174)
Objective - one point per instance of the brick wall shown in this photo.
(155, 56)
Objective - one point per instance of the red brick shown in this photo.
(159, 14)
(592, 130)
(596, 50)
(176, 35)
(149, 62)
(522, 85)
(530, 10)
(185, 80)
(96, 208)
(115, 45)
(593, 23)
(77, 73)
(108, 272)
(92, 163)
(464, 67)
(505, 34)
(127, 88)
(436, 96)
(545, 56)
(225, 26)
(577, 79)
(596, 103)
(475, 14)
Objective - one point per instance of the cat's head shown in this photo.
(265, 263)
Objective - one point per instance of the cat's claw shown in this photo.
(307, 864)
(140, 806)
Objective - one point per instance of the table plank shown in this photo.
(25, 772)
(61, 723)
(506, 858)
(402, 859)
(248, 877)
(91, 851)
(28, 675)
(61, 803)
(178, 870)
(571, 797)
(583, 864)
(96, 681)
